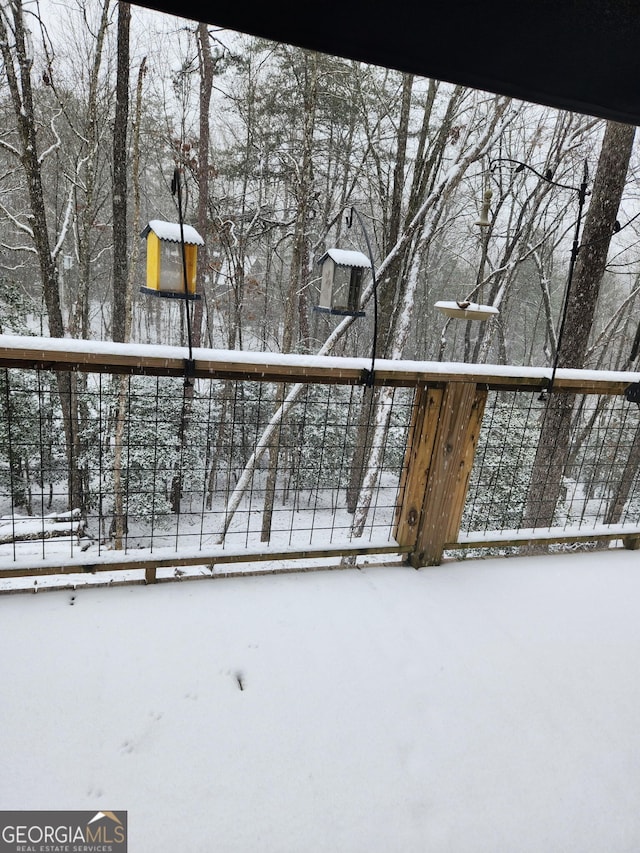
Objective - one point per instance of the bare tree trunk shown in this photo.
(272, 473)
(119, 516)
(553, 444)
(388, 290)
(619, 499)
(120, 277)
(120, 161)
(18, 73)
(299, 268)
(207, 69)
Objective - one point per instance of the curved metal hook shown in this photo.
(547, 176)
(349, 218)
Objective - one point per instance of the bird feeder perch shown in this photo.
(165, 262)
(340, 289)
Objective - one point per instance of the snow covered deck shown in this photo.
(485, 705)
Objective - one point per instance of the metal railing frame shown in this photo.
(447, 416)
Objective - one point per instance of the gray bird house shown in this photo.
(341, 285)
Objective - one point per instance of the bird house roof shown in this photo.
(170, 231)
(346, 258)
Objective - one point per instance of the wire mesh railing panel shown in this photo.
(257, 465)
(32, 465)
(134, 463)
(564, 462)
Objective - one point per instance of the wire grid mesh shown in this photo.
(573, 477)
(159, 462)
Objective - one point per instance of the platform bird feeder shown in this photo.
(466, 310)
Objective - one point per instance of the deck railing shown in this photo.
(129, 458)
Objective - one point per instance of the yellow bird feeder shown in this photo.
(165, 263)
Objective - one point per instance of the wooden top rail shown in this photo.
(107, 357)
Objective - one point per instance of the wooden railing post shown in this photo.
(445, 430)
(415, 471)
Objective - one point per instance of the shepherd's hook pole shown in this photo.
(176, 189)
(368, 374)
(582, 194)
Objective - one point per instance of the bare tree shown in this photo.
(421, 227)
(120, 162)
(576, 325)
(207, 65)
(119, 525)
(299, 269)
(423, 234)
(15, 48)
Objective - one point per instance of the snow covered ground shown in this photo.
(484, 705)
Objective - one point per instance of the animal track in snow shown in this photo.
(130, 744)
(94, 792)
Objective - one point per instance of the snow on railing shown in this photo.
(268, 462)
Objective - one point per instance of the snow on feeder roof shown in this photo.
(346, 258)
(171, 231)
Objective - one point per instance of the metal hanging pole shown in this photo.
(582, 194)
(176, 189)
(369, 374)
